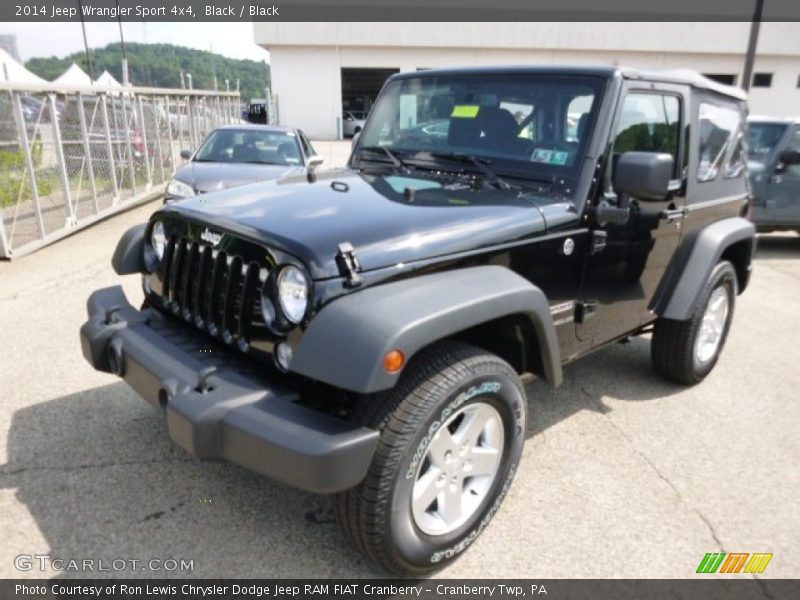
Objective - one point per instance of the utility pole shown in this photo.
(125, 75)
(85, 42)
(750, 57)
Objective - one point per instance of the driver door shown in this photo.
(621, 278)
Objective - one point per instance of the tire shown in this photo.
(441, 383)
(674, 349)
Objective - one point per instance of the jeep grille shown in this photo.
(215, 291)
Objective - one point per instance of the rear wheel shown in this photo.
(452, 432)
(686, 351)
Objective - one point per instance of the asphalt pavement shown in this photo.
(624, 475)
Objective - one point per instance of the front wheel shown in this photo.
(452, 432)
(686, 351)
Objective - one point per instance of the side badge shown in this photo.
(569, 246)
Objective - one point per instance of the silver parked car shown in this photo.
(234, 155)
(352, 122)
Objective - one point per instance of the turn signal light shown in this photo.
(394, 361)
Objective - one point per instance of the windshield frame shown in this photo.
(525, 169)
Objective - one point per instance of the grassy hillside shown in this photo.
(160, 65)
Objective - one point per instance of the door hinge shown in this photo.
(348, 264)
(598, 241)
(585, 310)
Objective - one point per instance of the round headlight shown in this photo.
(158, 239)
(292, 293)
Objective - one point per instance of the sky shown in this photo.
(234, 40)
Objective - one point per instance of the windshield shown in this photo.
(521, 123)
(250, 146)
(762, 139)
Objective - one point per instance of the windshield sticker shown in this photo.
(550, 157)
(465, 111)
(541, 156)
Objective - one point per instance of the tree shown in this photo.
(160, 65)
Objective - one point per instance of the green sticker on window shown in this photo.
(465, 111)
(559, 157)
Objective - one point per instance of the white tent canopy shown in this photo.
(107, 80)
(74, 75)
(14, 72)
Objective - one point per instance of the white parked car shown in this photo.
(352, 122)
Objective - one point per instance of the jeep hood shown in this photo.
(386, 224)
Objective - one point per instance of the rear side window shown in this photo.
(720, 130)
(649, 123)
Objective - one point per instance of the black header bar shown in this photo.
(725, 588)
(395, 10)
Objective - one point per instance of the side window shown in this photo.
(720, 129)
(649, 123)
(793, 145)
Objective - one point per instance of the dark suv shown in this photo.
(362, 332)
(774, 162)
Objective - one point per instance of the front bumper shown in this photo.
(215, 408)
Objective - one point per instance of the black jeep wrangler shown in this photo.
(362, 332)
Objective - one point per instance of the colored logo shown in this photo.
(734, 562)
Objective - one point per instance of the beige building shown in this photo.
(321, 69)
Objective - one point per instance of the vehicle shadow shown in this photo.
(100, 477)
(778, 247)
(590, 379)
(102, 480)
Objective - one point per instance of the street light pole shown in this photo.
(750, 57)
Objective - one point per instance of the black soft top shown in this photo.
(681, 76)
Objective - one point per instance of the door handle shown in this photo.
(671, 215)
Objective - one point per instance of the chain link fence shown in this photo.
(69, 157)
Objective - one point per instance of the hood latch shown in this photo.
(348, 264)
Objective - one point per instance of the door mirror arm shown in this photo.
(606, 213)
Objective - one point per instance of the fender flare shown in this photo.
(346, 341)
(129, 254)
(694, 267)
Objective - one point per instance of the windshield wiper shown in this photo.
(480, 163)
(398, 164)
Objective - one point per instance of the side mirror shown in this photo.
(315, 161)
(186, 154)
(787, 158)
(644, 175)
(356, 135)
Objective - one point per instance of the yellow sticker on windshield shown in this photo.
(465, 111)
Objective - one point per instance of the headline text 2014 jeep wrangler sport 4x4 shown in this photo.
(361, 332)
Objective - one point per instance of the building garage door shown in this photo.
(360, 87)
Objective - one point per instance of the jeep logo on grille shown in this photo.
(212, 237)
